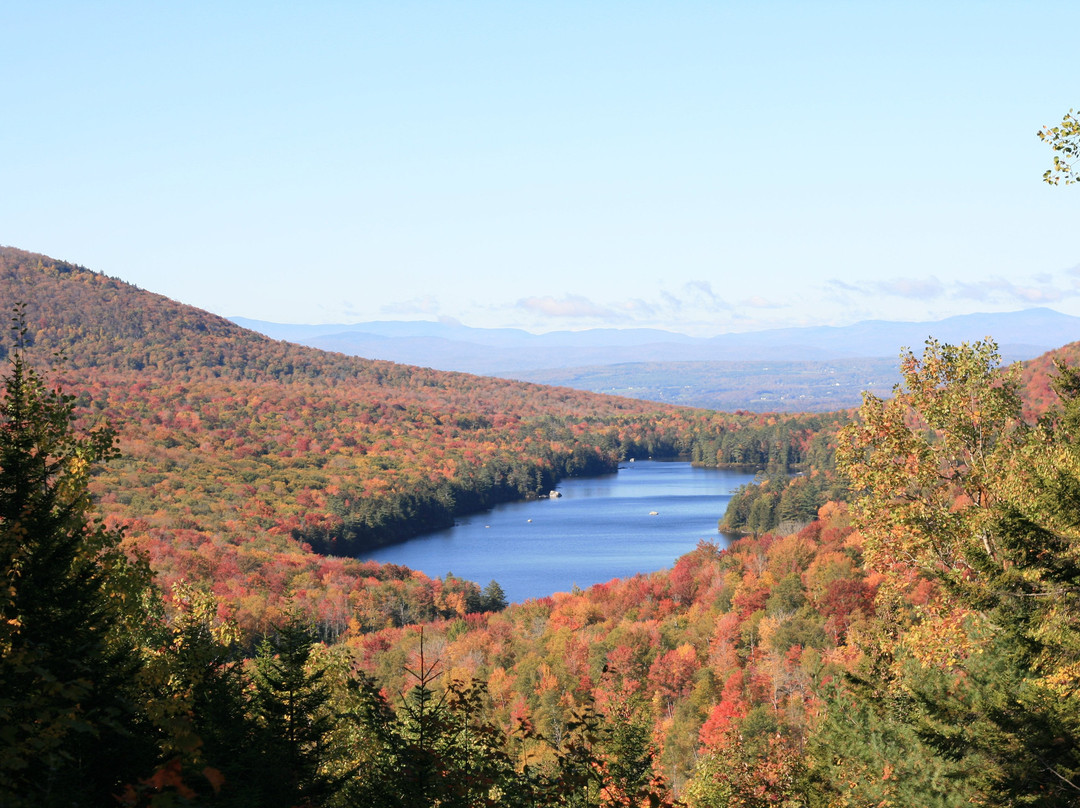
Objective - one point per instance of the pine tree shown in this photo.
(367, 745)
(194, 685)
(69, 727)
(425, 732)
(292, 707)
(493, 598)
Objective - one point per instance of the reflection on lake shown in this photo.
(638, 520)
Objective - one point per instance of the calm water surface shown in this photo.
(601, 528)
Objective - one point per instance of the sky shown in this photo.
(702, 167)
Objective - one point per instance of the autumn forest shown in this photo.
(185, 622)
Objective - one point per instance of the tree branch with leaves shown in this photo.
(1064, 141)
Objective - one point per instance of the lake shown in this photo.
(638, 520)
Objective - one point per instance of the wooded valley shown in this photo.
(183, 623)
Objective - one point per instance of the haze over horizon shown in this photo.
(449, 326)
(699, 168)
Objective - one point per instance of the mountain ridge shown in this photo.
(788, 369)
(505, 351)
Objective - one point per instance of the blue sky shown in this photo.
(702, 167)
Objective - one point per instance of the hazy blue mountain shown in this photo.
(455, 332)
(1021, 334)
(818, 368)
(504, 351)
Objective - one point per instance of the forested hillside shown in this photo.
(918, 647)
(916, 644)
(785, 501)
(261, 466)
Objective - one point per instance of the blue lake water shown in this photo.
(600, 528)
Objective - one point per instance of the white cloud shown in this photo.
(844, 286)
(425, 304)
(636, 307)
(1041, 289)
(703, 291)
(1000, 290)
(673, 303)
(918, 288)
(757, 302)
(569, 306)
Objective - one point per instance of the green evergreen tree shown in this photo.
(291, 703)
(477, 769)
(368, 749)
(194, 685)
(630, 757)
(493, 598)
(71, 732)
(425, 731)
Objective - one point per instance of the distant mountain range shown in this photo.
(815, 368)
(501, 351)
